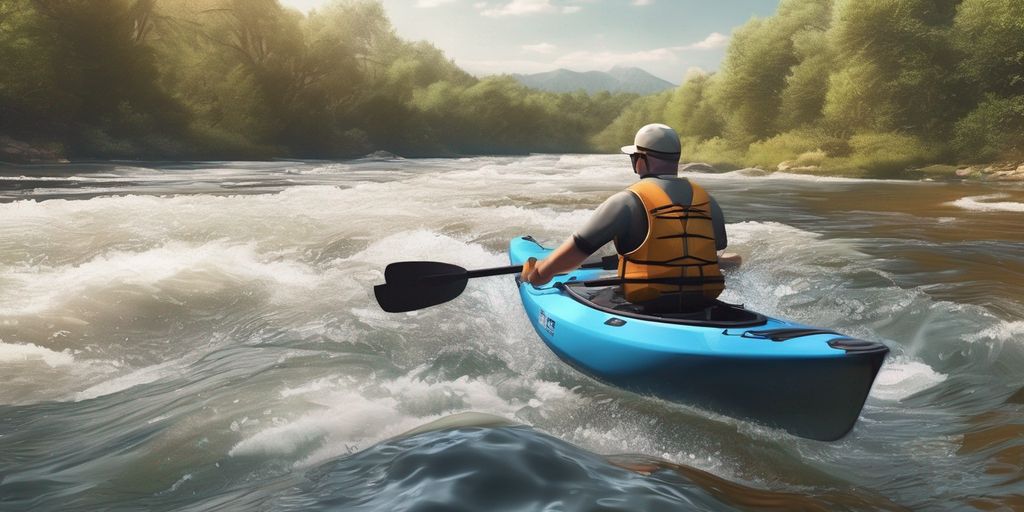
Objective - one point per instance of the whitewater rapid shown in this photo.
(176, 331)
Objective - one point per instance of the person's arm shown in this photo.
(608, 221)
(726, 260)
(564, 259)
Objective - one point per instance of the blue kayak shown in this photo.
(808, 381)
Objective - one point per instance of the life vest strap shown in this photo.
(681, 217)
(685, 235)
(671, 262)
(670, 206)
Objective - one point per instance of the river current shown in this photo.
(204, 337)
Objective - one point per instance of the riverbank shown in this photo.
(14, 151)
(1012, 171)
(18, 152)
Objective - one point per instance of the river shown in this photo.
(204, 337)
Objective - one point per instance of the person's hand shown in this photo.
(729, 260)
(531, 274)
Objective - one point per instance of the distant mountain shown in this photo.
(617, 79)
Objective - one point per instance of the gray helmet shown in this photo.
(656, 139)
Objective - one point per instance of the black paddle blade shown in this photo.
(410, 271)
(402, 297)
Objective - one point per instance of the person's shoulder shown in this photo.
(621, 197)
(620, 200)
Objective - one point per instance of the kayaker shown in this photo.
(668, 231)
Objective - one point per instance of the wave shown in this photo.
(135, 378)
(1001, 331)
(172, 267)
(349, 417)
(986, 203)
(753, 174)
(901, 377)
(11, 353)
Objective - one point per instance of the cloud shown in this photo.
(604, 60)
(539, 47)
(432, 3)
(667, 55)
(712, 41)
(641, 3)
(525, 7)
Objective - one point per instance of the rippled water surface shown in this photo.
(204, 337)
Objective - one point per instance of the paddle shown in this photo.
(412, 285)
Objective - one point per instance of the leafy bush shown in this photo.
(787, 146)
(993, 130)
(716, 151)
(887, 152)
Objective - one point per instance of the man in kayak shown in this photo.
(667, 230)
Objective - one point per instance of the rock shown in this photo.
(16, 151)
(382, 155)
(966, 171)
(752, 171)
(697, 167)
(794, 166)
(1007, 176)
(938, 170)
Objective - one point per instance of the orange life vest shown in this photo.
(679, 248)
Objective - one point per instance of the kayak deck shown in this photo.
(716, 314)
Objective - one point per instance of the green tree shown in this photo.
(691, 111)
(757, 64)
(895, 73)
(648, 109)
(990, 36)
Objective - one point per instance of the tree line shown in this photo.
(250, 79)
(878, 85)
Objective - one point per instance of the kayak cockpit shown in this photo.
(711, 314)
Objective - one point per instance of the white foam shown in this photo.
(351, 416)
(629, 437)
(747, 231)
(749, 175)
(202, 268)
(30, 353)
(1002, 331)
(901, 378)
(986, 204)
(51, 178)
(425, 245)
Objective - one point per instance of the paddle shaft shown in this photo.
(497, 271)
(511, 269)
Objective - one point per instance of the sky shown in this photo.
(668, 38)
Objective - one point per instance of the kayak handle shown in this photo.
(778, 335)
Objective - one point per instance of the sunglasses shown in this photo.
(634, 157)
